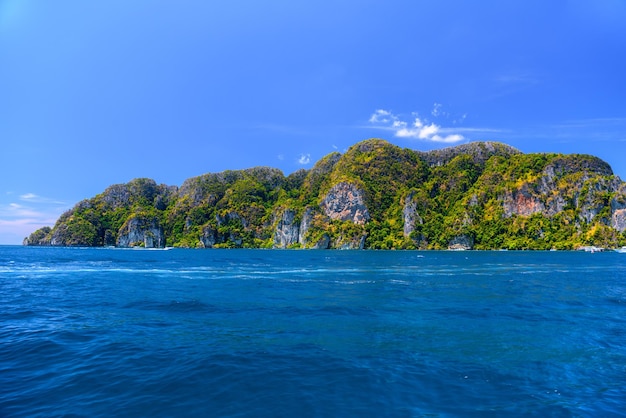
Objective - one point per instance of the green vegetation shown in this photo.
(478, 195)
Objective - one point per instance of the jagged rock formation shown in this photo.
(376, 195)
(345, 202)
(410, 216)
(287, 232)
(618, 208)
(141, 231)
(305, 225)
(618, 220)
(548, 196)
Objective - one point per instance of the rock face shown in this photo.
(291, 231)
(587, 191)
(410, 215)
(345, 202)
(618, 209)
(522, 202)
(618, 220)
(141, 231)
(210, 237)
(287, 231)
(305, 224)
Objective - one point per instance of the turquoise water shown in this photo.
(254, 333)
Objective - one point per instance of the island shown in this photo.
(479, 195)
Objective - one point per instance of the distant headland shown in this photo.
(481, 195)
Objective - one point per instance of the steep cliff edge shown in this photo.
(141, 231)
(376, 195)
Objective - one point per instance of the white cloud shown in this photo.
(449, 139)
(381, 116)
(14, 211)
(304, 159)
(419, 129)
(33, 198)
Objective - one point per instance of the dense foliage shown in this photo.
(478, 195)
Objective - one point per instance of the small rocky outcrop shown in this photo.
(345, 202)
(461, 242)
(143, 231)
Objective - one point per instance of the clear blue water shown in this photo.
(254, 333)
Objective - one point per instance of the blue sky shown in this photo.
(94, 93)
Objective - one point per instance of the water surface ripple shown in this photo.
(253, 333)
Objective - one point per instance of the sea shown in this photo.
(87, 332)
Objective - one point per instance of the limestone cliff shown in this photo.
(583, 183)
(287, 233)
(618, 208)
(410, 215)
(141, 231)
(345, 202)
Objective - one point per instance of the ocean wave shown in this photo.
(241, 333)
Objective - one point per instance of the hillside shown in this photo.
(480, 195)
